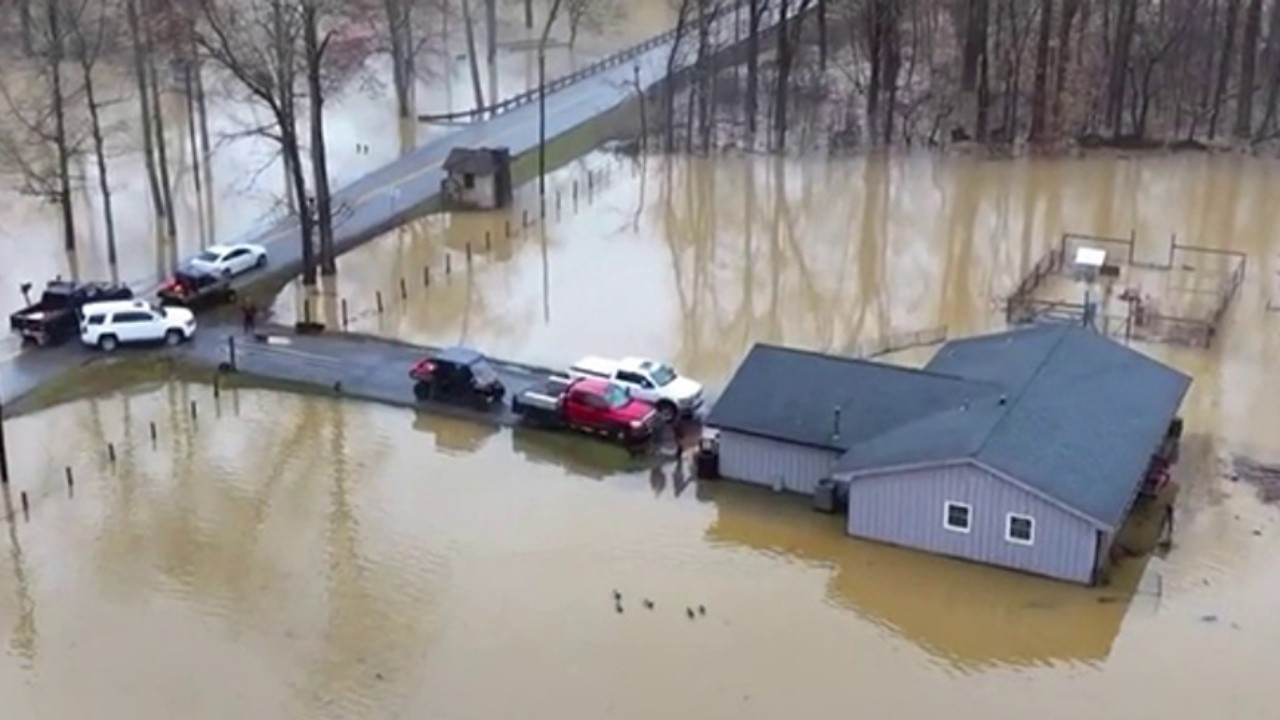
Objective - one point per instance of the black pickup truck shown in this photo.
(57, 316)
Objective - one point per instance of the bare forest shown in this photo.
(97, 89)
(856, 73)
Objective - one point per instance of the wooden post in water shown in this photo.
(153, 434)
(426, 276)
(468, 253)
(344, 313)
(26, 507)
(404, 290)
(378, 296)
(231, 359)
(488, 244)
(71, 481)
(194, 414)
(448, 266)
(111, 454)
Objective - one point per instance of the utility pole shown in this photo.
(542, 108)
(491, 43)
(4, 455)
(542, 126)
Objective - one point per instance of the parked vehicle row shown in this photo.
(94, 309)
(626, 401)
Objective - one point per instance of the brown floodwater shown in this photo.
(284, 556)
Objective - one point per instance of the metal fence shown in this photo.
(1138, 323)
(717, 17)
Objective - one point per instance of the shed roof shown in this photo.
(792, 395)
(1077, 418)
(477, 161)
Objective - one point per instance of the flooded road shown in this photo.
(283, 556)
(247, 194)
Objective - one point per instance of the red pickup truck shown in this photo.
(596, 406)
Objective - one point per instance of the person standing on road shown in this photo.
(250, 315)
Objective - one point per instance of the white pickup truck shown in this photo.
(648, 380)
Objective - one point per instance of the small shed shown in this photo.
(477, 178)
(1024, 449)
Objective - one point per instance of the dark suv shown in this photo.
(196, 288)
(458, 374)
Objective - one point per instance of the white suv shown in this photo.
(109, 324)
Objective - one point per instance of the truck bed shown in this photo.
(543, 398)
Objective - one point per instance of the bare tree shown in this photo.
(472, 58)
(57, 40)
(590, 15)
(88, 47)
(314, 52)
(1225, 61)
(1039, 89)
(256, 41)
(1248, 64)
(144, 110)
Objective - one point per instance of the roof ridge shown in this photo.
(1011, 402)
(863, 361)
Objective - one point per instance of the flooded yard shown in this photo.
(283, 556)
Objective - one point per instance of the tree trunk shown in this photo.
(822, 35)
(60, 125)
(1119, 66)
(1224, 64)
(491, 46)
(399, 32)
(293, 163)
(668, 87)
(1273, 73)
(95, 126)
(206, 152)
(162, 152)
(28, 28)
(704, 76)
(1069, 9)
(471, 55)
(754, 18)
(319, 165)
(789, 26)
(144, 103)
(1039, 89)
(891, 41)
(1248, 62)
(528, 14)
(189, 92)
(972, 70)
(875, 56)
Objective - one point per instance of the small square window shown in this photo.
(1020, 529)
(956, 516)
(468, 181)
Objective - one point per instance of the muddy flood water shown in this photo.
(283, 556)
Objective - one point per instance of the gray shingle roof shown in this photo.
(1081, 418)
(791, 395)
(477, 161)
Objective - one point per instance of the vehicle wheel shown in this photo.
(108, 343)
(422, 390)
(262, 261)
(667, 411)
(173, 337)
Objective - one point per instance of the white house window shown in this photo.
(1020, 529)
(956, 516)
(468, 181)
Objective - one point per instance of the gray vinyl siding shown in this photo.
(762, 461)
(906, 508)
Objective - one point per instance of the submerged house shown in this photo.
(1024, 449)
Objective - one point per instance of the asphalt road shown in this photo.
(391, 196)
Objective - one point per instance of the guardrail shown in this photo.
(578, 75)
